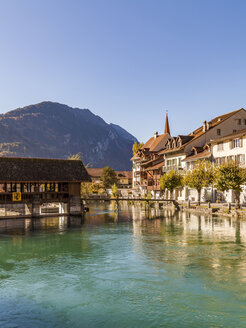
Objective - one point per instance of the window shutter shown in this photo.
(241, 142)
(231, 144)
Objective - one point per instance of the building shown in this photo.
(183, 151)
(35, 181)
(147, 164)
(124, 178)
(230, 148)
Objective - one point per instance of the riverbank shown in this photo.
(214, 209)
(218, 209)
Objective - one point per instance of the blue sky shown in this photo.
(127, 61)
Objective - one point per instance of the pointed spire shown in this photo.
(167, 129)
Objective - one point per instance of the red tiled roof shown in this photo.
(155, 167)
(204, 154)
(172, 149)
(217, 120)
(97, 172)
(199, 132)
(156, 143)
(198, 149)
(157, 160)
(134, 157)
(124, 174)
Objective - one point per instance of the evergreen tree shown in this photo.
(108, 177)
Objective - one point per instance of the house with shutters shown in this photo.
(182, 152)
(147, 164)
(230, 148)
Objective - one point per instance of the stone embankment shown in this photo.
(219, 209)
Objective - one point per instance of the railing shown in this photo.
(155, 188)
(172, 167)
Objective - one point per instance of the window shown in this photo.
(237, 159)
(220, 160)
(239, 121)
(220, 146)
(244, 122)
(218, 132)
(234, 131)
(217, 161)
(236, 143)
(230, 158)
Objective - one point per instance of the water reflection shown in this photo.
(123, 267)
(21, 226)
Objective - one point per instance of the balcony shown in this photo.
(172, 167)
(155, 188)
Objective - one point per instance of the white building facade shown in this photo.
(231, 148)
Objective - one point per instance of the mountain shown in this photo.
(53, 130)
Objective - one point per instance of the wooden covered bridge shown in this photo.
(34, 181)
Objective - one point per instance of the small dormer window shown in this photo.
(218, 132)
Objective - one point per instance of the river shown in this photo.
(119, 269)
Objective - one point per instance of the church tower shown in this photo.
(167, 129)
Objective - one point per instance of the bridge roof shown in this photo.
(14, 169)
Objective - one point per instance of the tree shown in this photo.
(170, 181)
(201, 176)
(114, 190)
(76, 157)
(88, 188)
(230, 176)
(136, 146)
(108, 177)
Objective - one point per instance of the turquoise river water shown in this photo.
(123, 270)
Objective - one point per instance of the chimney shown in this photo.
(204, 127)
(155, 134)
(209, 124)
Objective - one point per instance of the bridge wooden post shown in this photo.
(36, 210)
(28, 209)
(75, 205)
(63, 208)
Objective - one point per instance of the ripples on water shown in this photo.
(123, 270)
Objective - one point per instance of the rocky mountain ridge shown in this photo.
(53, 130)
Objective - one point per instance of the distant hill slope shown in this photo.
(53, 130)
